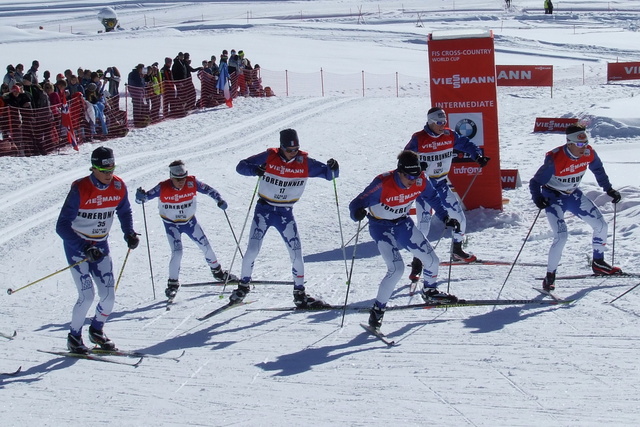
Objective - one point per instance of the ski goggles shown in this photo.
(438, 122)
(292, 149)
(105, 170)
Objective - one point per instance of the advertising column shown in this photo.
(463, 83)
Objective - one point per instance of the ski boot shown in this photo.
(548, 283)
(221, 275)
(302, 300)
(460, 255)
(172, 288)
(416, 270)
(98, 337)
(75, 344)
(434, 296)
(376, 314)
(601, 268)
(239, 293)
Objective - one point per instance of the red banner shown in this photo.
(623, 71)
(547, 124)
(510, 179)
(524, 75)
(463, 83)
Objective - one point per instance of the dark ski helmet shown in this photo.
(289, 138)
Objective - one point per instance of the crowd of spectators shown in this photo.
(39, 114)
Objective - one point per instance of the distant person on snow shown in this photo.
(548, 7)
(388, 199)
(84, 225)
(554, 188)
(177, 207)
(434, 145)
(283, 176)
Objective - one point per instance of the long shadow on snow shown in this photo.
(56, 363)
(497, 319)
(305, 359)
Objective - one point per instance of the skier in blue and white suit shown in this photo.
(389, 198)
(555, 188)
(284, 172)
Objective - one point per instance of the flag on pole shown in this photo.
(223, 84)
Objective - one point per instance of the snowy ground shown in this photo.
(574, 365)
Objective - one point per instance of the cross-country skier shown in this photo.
(435, 144)
(84, 225)
(388, 199)
(554, 188)
(177, 207)
(284, 173)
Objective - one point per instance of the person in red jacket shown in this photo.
(84, 225)
(554, 188)
(283, 173)
(177, 205)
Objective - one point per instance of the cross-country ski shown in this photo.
(93, 357)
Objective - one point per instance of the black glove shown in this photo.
(260, 170)
(332, 164)
(424, 166)
(132, 240)
(542, 202)
(452, 222)
(222, 204)
(482, 161)
(141, 196)
(359, 214)
(615, 195)
(93, 254)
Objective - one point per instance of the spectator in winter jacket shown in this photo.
(33, 71)
(112, 77)
(179, 69)
(136, 89)
(54, 97)
(39, 98)
(19, 73)
(215, 70)
(75, 86)
(10, 77)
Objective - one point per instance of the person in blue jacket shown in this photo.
(84, 225)
(283, 176)
(386, 202)
(554, 188)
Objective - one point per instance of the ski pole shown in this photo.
(359, 230)
(613, 242)
(353, 259)
(519, 252)
(457, 229)
(624, 293)
(13, 291)
(233, 233)
(226, 280)
(470, 185)
(344, 251)
(146, 233)
(122, 268)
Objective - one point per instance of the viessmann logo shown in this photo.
(100, 200)
(402, 198)
(285, 170)
(575, 168)
(457, 81)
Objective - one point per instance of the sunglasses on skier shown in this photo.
(292, 150)
(105, 170)
(581, 144)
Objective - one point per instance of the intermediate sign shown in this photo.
(463, 82)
